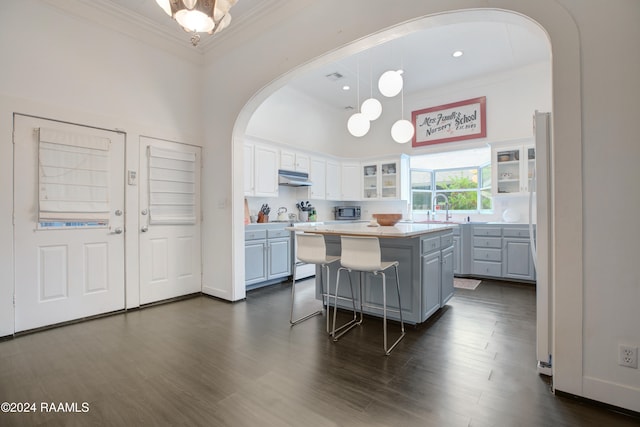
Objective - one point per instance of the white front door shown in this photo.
(170, 251)
(68, 222)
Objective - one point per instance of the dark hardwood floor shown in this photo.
(206, 362)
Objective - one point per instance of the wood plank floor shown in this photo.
(206, 362)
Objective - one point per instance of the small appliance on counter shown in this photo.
(351, 213)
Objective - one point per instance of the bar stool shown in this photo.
(363, 254)
(311, 249)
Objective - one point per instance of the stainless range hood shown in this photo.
(293, 178)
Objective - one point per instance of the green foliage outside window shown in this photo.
(461, 187)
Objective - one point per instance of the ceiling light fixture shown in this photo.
(371, 108)
(358, 125)
(390, 83)
(199, 16)
(402, 131)
(457, 54)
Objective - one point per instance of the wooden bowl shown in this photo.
(387, 219)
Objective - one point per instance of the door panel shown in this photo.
(65, 270)
(170, 251)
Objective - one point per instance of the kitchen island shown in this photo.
(425, 255)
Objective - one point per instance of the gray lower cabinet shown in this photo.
(487, 251)
(457, 254)
(279, 256)
(255, 267)
(446, 283)
(267, 256)
(517, 261)
(501, 251)
(431, 273)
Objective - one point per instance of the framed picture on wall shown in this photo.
(450, 122)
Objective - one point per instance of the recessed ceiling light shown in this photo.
(345, 87)
(457, 54)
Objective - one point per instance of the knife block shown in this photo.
(262, 217)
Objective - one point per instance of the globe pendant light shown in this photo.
(402, 131)
(358, 124)
(371, 108)
(390, 83)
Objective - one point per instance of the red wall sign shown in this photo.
(451, 122)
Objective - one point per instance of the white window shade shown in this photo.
(73, 176)
(172, 186)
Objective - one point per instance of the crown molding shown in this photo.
(132, 24)
(245, 22)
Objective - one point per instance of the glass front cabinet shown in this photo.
(383, 180)
(513, 170)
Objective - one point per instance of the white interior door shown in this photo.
(68, 222)
(170, 250)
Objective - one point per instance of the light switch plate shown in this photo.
(132, 177)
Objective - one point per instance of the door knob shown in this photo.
(144, 212)
(118, 212)
(144, 229)
(118, 230)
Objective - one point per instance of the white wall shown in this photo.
(61, 67)
(611, 66)
(292, 118)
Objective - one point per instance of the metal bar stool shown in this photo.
(311, 249)
(363, 254)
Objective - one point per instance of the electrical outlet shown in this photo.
(628, 356)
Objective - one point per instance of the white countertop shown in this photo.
(362, 229)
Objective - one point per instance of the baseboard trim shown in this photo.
(592, 402)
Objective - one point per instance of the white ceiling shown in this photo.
(489, 46)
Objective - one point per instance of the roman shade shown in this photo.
(73, 176)
(172, 186)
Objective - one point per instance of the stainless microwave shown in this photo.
(347, 212)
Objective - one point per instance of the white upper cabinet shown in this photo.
(385, 179)
(292, 161)
(265, 159)
(513, 168)
(333, 182)
(317, 176)
(350, 181)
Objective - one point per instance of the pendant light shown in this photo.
(358, 124)
(371, 108)
(402, 131)
(390, 83)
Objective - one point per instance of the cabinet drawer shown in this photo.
(272, 234)
(487, 242)
(487, 231)
(430, 244)
(255, 235)
(516, 232)
(446, 241)
(487, 254)
(485, 268)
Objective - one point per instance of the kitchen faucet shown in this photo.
(447, 217)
